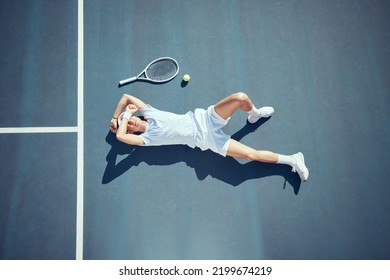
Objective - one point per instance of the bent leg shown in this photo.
(239, 150)
(227, 106)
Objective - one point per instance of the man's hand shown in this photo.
(131, 108)
(113, 125)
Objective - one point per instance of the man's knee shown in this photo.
(240, 97)
(251, 156)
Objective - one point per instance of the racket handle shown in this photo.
(127, 81)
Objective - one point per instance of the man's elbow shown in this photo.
(127, 96)
(120, 136)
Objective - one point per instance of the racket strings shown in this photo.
(162, 70)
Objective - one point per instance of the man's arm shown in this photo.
(122, 104)
(130, 139)
(127, 100)
(122, 134)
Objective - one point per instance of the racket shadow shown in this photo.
(204, 163)
(146, 82)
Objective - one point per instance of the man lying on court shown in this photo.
(201, 128)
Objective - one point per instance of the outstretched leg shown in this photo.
(296, 161)
(227, 106)
(238, 150)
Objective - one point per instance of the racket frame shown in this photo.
(144, 73)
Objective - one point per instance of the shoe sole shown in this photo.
(254, 121)
(303, 161)
(258, 118)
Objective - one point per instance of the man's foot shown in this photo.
(300, 167)
(264, 112)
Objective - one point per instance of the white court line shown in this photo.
(65, 129)
(80, 133)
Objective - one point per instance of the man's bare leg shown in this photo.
(227, 106)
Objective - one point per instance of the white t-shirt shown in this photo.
(201, 129)
(166, 128)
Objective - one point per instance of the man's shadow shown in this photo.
(205, 163)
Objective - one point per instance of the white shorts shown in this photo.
(209, 131)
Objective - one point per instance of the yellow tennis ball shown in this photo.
(186, 78)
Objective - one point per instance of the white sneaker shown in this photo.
(264, 112)
(300, 167)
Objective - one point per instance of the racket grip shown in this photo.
(127, 81)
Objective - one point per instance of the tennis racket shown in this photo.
(160, 70)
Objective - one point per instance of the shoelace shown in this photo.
(293, 169)
(294, 166)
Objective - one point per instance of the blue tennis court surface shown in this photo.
(323, 66)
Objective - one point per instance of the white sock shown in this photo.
(254, 112)
(282, 159)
